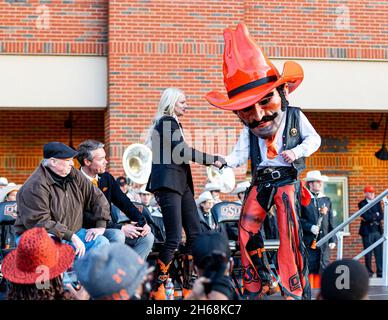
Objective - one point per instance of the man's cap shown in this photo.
(208, 243)
(345, 279)
(369, 189)
(58, 150)
(113, 271)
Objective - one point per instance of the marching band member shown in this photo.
(205, 202)
(317, 221)
(172, 184)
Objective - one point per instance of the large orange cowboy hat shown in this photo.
(248, 74)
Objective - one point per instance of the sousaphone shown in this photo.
(137, 163)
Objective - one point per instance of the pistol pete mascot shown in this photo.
(277, 138)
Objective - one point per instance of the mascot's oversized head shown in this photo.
(256, 91)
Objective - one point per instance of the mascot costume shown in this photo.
(277, 138)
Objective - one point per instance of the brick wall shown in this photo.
(320, 28)
(356, 144)
(54, 27)
(24, 133)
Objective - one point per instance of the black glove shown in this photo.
(222, 160)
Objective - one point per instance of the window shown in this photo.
(337, 190)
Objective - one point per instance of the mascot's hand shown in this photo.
(332, 245)
(220, 162)
(288, 156)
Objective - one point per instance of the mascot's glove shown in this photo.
(332, 245)
(314, 229)
(222, 160)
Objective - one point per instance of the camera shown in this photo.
(214, 268)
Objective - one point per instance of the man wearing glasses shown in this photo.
(55, 196)
(277, 138)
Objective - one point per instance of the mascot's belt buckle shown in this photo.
(294, 132)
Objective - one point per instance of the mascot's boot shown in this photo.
(188, 275)
(160, 277)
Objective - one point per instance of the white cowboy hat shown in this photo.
(143, 190)
(212, 186)
(9, 188)
(315, 175)
(3, 181)
(204, 196)
(241, 187)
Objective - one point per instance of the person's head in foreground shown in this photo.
(34, 269)
(211, 255)
(113, 272)
(345, 279)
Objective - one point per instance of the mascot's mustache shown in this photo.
(255, 123)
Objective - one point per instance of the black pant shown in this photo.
(378, 251)
(177, 210)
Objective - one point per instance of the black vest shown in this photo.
(291, 139)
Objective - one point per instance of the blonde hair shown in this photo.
(166, 106)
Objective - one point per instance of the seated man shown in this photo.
(54, 197)
(205, 203)
(91, 156)
(155, 217)
(133, 191)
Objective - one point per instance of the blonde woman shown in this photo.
(172, 184)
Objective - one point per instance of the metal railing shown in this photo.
(337, 231)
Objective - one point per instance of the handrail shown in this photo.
(352, 218)
(369, 249)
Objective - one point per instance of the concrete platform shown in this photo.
(375, 293)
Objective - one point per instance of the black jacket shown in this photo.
(205, 226)
(371, 219)
(171, 156)
(155, 221)
(111, 189)
(309, 217)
